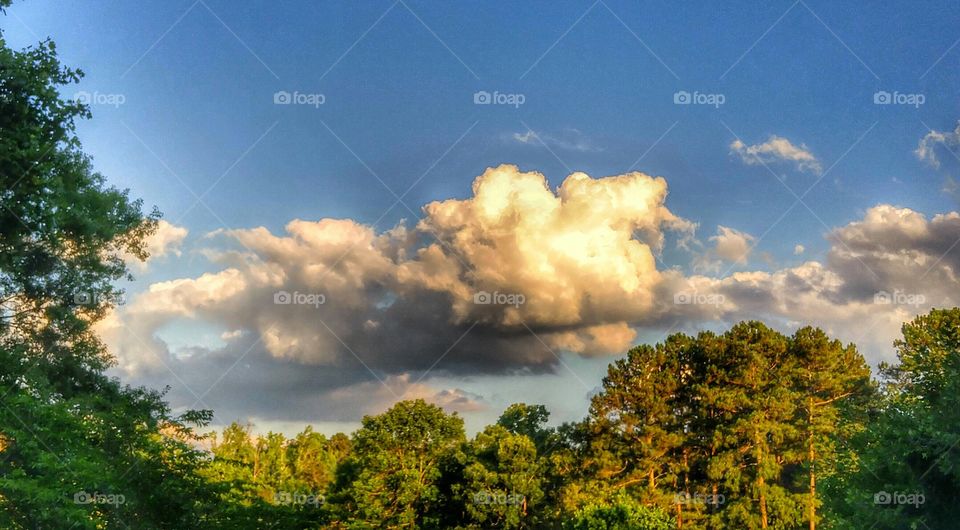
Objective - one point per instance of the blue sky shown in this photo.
(598, 82)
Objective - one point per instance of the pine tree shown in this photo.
(827, 375)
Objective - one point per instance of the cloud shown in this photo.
(733, 245)
(926, 148)
(899, 248)
(566, 270)
(582, 256)
(378, 396)
(167, 240)
(332, 319)
(881, 270)
(776, 149)
(458, 400)
(730, 245)
(809, 294)
(568, 140)
(798, 249)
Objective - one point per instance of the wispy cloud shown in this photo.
(567, 139)
(777, 149)
(926, 148)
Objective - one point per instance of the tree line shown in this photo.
(749, 428)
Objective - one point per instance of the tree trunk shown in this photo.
(813, 477)
(761, 483)
(763, 503)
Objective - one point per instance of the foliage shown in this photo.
(530, 421)
(904, 473)
(391, 476)
(721, 430)
(622, 513)
(502, 484)
(76, 447)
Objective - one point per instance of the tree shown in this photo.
(234, 461)
(272, 470)
(314, 459)
(720, 429)
(502, 480)
(636, 422)
(530, 421)
(754, 390)
(391, 477)
(78, 448)
(907, 467)
(620, 513)
(829, 375)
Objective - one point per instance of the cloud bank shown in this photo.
(332, 319)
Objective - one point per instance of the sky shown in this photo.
(479, 203)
